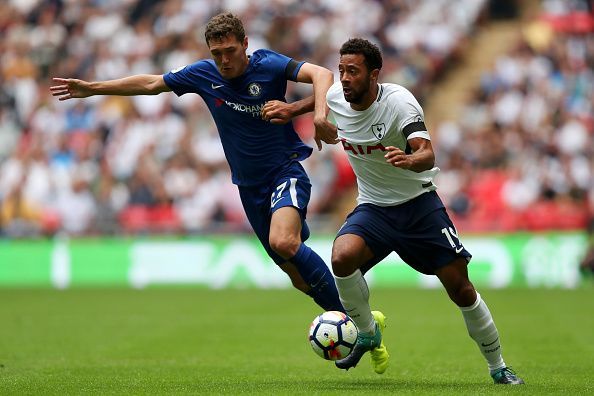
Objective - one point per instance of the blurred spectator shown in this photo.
(587, 263)
(76, 208)
(18, 216)
(112, 197)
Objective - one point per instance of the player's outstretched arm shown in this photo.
(322, 79)
(142, 84)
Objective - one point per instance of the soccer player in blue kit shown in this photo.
(382, 130)
(264, 155)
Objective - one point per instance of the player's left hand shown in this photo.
(398, 158)
(325, 132)
(277, 112)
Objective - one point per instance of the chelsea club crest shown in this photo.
(254, 89)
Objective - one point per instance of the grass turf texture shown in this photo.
(193, 341)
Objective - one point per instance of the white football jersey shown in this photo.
(365, 134)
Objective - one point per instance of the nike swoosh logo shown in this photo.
(216, 86)
(459, 249)
(486, 345)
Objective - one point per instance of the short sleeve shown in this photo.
(409, 114)
(185, 79)
(292, 69)
(281, 65)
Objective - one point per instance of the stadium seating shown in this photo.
(96, 146)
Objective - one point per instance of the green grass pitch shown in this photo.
(196, 341)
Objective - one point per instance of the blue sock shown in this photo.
(316, 274)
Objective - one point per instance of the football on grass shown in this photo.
(332, 335)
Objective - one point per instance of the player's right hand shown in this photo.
(277, 112)
(398, 158)
(68, 88)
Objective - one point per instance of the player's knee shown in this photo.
(343, 262)
(464, 295)
(284, 246)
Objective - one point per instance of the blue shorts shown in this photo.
(291, 187)
(419, 231)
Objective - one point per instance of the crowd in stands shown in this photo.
(520, 158)
(522, 155)
(154, 163)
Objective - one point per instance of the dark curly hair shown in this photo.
(222, 25)
(370, 51)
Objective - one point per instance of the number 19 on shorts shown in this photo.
(450, 233)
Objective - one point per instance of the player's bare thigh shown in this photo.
(349, 253)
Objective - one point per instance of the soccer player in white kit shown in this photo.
(382, 129)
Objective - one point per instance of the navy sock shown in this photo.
(316, 274)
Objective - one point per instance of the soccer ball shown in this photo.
(333, 335)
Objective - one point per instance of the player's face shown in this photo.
(355, 78)
(229, 55)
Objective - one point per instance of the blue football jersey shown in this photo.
(255, 149)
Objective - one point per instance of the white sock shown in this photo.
(354, 296)
(481, 328)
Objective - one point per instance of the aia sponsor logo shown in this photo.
(359, 149)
